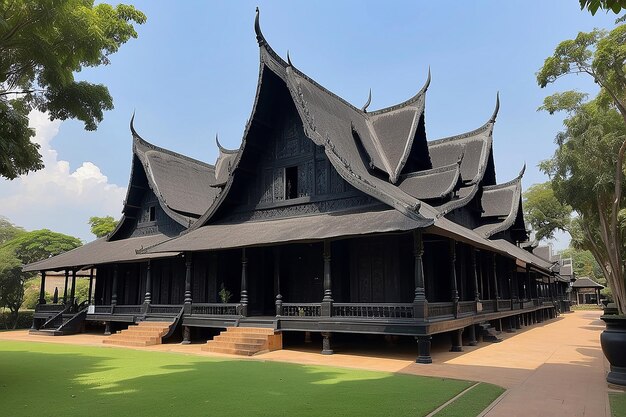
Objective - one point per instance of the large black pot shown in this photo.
(613, 341)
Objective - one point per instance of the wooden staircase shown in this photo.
(246, 341)
(146, 333)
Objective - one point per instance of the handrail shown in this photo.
(78, 316)
(215, 309)
(174, 325)
(373, 310)
(56, 316)
(302, 309)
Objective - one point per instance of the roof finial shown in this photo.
(495, 112)
(427, 83)
(132, 126)
(219, 145)
(369, 100)
(521, 173)
(257, 29)
(289, 59)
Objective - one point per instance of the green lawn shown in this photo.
(68, 380)
(618, 404)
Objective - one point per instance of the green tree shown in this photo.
(544, 212)
(8, 230)
(615, 6)
(11, 283)
(587, 169)
(41, 244)
(102, 226)
(43, 43)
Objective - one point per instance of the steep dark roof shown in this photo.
(501, 206)
(432, 183)
(224, 163)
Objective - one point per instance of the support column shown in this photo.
(73, 291)
(326, 350)
(423, 349)
(279, 297)
(420, 304)
(67, 276)
(148, 297)
(327, 301)
(475, 276)
(186, 335)
(42, 288)
(107, 328)
(495, 281)
(89, 297)
(188, 300)
(453, 284)
(527, 285)
(244, 283)
(457, 340)
(472, 335)
(114, 285)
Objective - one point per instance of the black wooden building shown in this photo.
(329, 218)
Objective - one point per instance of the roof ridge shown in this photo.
(405, 103)
(515, 181)
(443, 168)
(138, 140)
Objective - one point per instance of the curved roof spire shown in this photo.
(521, 173)
(221, 148)
(257, 29)
(289, 59)
(132, 126)
(369, 101)
(495, 111)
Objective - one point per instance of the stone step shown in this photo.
(241, 338)
(154, 323)
(119, 336)
(128, 342)
(229, 351)
(236, 345)
(139, 332)
(256, 330)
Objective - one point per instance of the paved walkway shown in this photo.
(552, 369)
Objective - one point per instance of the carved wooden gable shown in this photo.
(283, 173)
(152, 219)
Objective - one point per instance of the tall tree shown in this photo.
(11, 283)
(102, 226)
(42, 44)
(544, 212)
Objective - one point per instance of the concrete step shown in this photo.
(241, 338)
(128, 342)
(139, 332)
(119, 336)
(154, 324)
(235, 345)
(256, 330)
(230, 351)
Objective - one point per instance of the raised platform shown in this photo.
(246, 341)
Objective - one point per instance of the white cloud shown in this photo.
(56, 197)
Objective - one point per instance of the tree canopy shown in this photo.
(8, 230)
(36, 245)
(587, 168)
(43, 43)
(615, 6)
(544, 212)
(102, 226)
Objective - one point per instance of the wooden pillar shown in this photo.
(327, 301)
(148, 297)
(67, 276)
(107, 328)
(73, 291)
(456, 337)
(114, 285)
(279, 297)
(454, 294)
(188, 300)
(89, 297)
(474, 272)
(423, 350)
(495, 278)
(326, 349)
(42, 288)
(527, 285)
(244, 283)
(480, 263)
(420, 304)
(472, 335)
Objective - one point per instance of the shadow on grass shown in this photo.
(61, 380)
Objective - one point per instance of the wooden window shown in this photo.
(291, 182)
(152, 213)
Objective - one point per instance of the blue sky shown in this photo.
(193, 70)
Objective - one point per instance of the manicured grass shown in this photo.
(618, 404)
(69, 380)
(472, 402)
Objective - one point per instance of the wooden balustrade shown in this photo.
(127, 309)
(489, 306)
(378, 310)
(216, 309)
(440, 309)
(302, 309)
(49, 308)
(164, 309)
(467, 307)
(504, 305)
